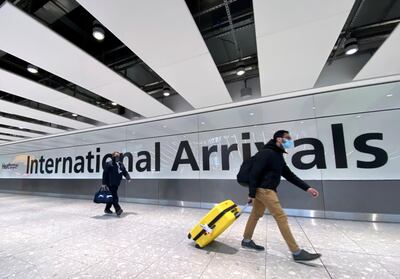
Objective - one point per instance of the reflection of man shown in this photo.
(265, 175)
(112, 176)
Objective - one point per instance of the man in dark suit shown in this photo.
(112, 176)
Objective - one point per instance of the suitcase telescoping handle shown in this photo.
(243, 209)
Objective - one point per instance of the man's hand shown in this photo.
(250, 201)
(313, 192)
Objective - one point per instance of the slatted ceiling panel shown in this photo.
(11, 108)
(164, 35)
(31, 90)
(28, 125)
(294, 40)
(62, 58)
(385, 61)
(6, 137)
(19, 132)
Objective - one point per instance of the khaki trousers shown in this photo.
(266, 198)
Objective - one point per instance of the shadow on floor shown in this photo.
(113, 216)
(312, 264)
(219, 247)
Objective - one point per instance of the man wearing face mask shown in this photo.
(267, 168)
(112, 176)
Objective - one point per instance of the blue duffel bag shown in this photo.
(103, 195)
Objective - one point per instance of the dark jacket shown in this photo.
(268, 167)
(112, 174)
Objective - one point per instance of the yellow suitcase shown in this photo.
(214, 223)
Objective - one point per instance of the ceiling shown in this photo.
(192, 49)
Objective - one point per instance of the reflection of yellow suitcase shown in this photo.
(214, 223)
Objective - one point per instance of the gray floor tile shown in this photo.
(44, 237)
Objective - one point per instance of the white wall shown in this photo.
(370, 111)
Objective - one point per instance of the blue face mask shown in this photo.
(287, 144)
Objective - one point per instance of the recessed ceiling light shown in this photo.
(166, 92)
(164, 126)
(98, 33)
(202, 123)
(21, 128)
(240, 71)
(251, 113)
(32, 69)
(358, 116)
(351, 46)
(114, 103)
(74, 115)
(389, 95)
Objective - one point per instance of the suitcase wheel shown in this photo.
(189, 236)
(197, 246)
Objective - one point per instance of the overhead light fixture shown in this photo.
(98, 31)
(166, 92)
(74, 115)
(114, 103)
(389, 95)
(240, 71)
(246, 92)
(32, 69)
(21, 128)
(351, 46)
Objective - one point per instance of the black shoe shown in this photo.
(252, 245)
(119, 212)
(108, 211)
(304, 256)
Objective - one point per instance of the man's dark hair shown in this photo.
(280, 134)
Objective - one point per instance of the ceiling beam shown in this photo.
(62, 58)
(171, 45)
(25, 88)
(295, 39)
(12, 108)
(29, 125)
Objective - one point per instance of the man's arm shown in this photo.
(291, 177)
(257, 169)
(125, 172)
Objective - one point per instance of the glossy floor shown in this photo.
(43, 237)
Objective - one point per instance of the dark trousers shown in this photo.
(114, 192)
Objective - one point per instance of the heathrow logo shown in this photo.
(9, 166)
